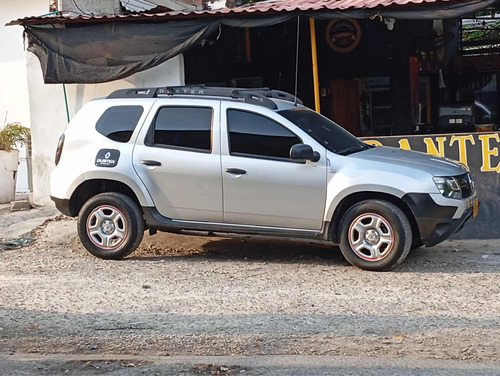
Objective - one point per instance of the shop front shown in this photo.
(419, 75)
(377, 76)
(423, 85)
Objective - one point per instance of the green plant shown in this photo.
(14, 135)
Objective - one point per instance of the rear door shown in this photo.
(178, 158)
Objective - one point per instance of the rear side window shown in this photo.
(182, 128)
(118, 123)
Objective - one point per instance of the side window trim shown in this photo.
(267, 158)
(180, 148)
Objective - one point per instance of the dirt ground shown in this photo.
(180, 295)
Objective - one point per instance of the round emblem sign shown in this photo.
(343, 35)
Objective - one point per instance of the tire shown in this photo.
(375, 235)
(416, 244)
(110, 226)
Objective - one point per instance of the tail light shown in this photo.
(59, 149)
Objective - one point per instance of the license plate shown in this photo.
(475, 208)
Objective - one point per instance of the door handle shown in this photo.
(149, 162)
(235, 171)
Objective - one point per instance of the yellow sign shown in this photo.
(460, 147)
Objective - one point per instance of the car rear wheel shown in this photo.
(375, 235)
(110, 225)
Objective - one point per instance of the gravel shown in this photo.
(203, 296)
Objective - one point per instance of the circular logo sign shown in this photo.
(343, 35)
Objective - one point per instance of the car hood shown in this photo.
(431, 164)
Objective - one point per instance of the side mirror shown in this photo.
(304, 152)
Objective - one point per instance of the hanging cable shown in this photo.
(377, 15)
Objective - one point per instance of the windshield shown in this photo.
(326, 132)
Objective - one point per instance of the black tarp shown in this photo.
(95, 52)
(110, 51)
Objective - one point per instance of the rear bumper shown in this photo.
(436, 223)
(62, 205)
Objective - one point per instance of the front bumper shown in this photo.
(436, 223)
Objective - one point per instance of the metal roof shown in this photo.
(256, 9)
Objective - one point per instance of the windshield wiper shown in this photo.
(354, 149)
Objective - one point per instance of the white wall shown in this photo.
(13, 79)
(48, 110)
(14, 102)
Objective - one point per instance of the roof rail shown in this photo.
(133, 93)
(258, 96)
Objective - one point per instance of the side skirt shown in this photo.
(156, 221)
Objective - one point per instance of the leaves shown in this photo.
(14, 135)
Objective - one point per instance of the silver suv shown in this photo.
(248, 161)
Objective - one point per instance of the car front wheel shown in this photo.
(110, 225)
(375, 235)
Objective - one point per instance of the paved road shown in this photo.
(283, 365)
(254, 307)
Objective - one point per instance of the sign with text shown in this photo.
(481, 153)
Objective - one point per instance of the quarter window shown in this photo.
(118, 123)
(256, 135)
(183, 127)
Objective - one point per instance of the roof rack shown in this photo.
(258, 96)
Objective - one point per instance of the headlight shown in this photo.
(448, 186)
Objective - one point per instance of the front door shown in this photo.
(262, 186)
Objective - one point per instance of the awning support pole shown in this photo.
(297, 60)
(314, 53)
(248, 48)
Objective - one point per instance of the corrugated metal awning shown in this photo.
(99, 49)
(406, 9)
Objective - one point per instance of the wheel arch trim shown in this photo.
(336, 212)
(139, 190)
(98, 183)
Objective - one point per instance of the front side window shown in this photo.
(182, 127)
(118, 123)
(252, 134)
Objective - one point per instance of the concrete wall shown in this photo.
(14, 104)
(48, 110)
(14, 100)
(90, 7)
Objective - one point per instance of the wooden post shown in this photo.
(314, 53)
(247, 45)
